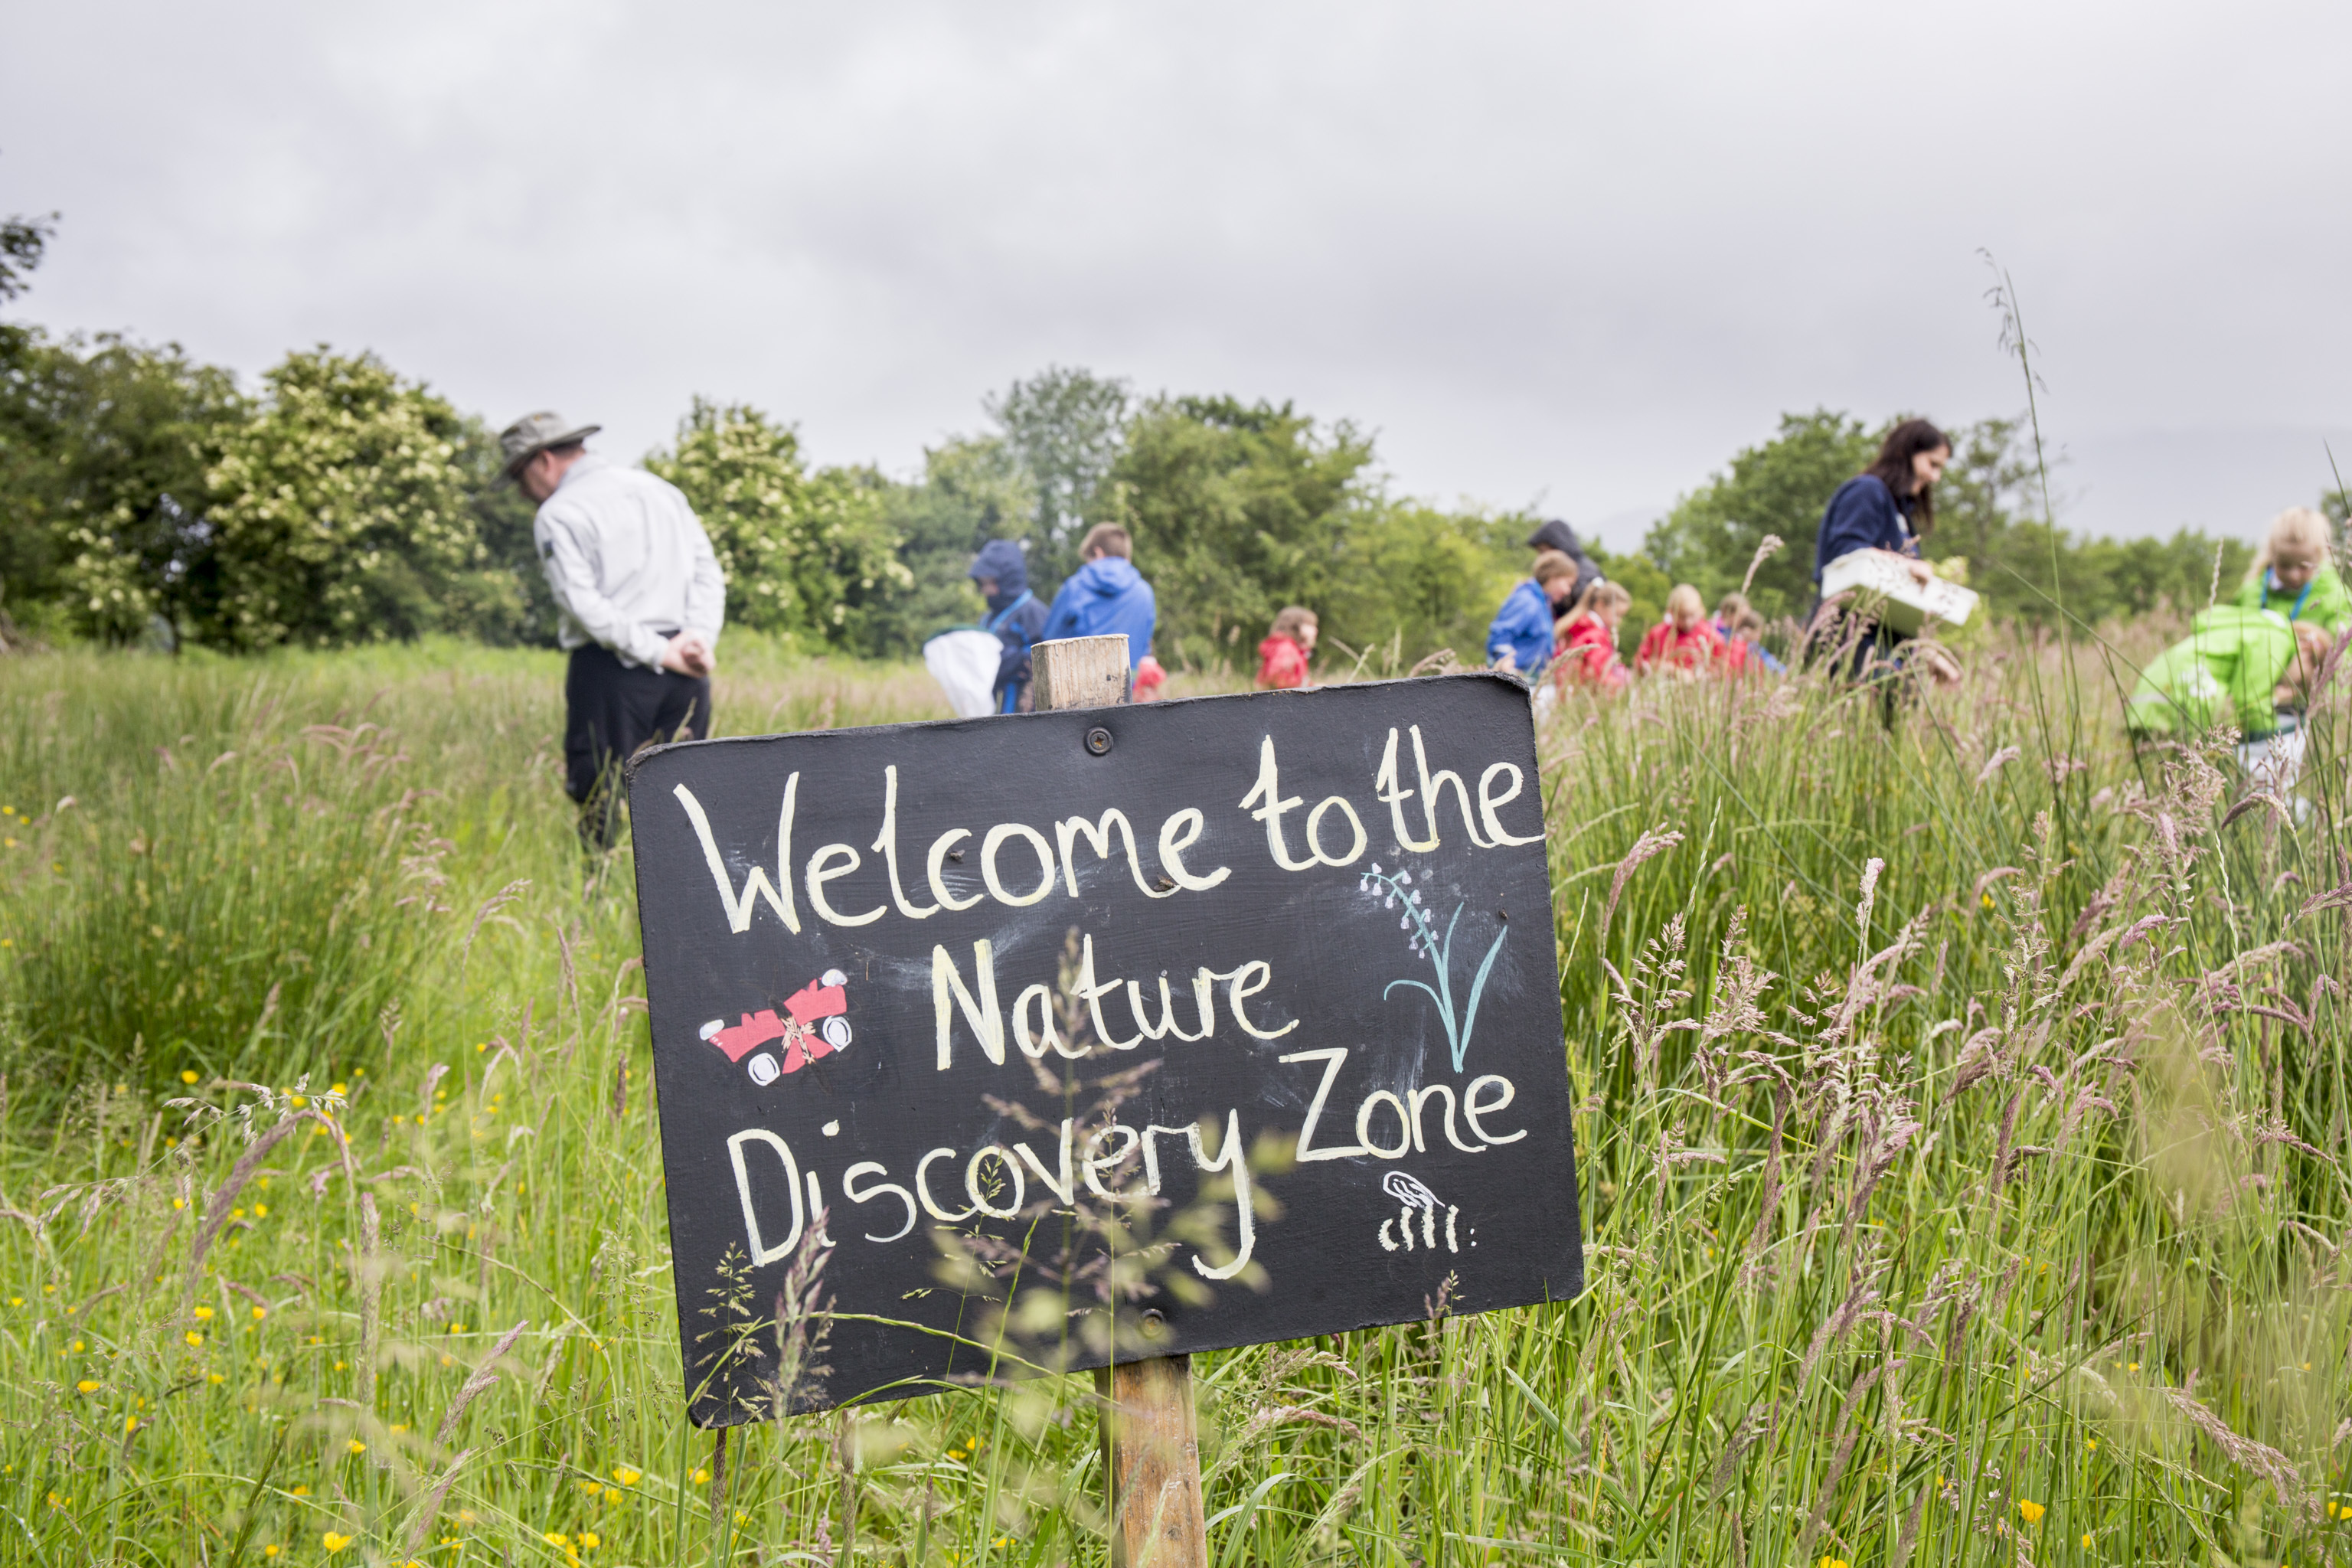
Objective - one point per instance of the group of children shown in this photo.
(1565, 620)
(1105, 595)
(2250, 662)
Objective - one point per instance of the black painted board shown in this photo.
(1382, 1031)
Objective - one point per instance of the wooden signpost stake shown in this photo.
(1151, 1450)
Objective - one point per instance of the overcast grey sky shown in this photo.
(1567, 254)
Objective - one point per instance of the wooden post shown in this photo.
(1080, 672)
(1151, 1450)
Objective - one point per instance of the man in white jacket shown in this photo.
(642, 601)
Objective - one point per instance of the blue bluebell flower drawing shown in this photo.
(1396, 891)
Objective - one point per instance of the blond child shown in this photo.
(1683, 642)
(2295, 574)
(1728, 611)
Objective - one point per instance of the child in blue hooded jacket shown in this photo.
(1015, 615)
(1520, 639)
(1105, 595)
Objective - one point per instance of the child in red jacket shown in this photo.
(1587, 650)
(1683, 642)
(1282, 656)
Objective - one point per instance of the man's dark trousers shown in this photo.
(612, 711)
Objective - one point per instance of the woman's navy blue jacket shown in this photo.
(1863, 515)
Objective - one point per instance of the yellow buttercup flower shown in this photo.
(334, 1542)
(193, 1337)
(87, 1386)
(187, 1075)
(2087, 1541)
(203, 1314)
(2030, 1510)
(627, 1477)
(357, 1447)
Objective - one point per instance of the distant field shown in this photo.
(1962, 1112)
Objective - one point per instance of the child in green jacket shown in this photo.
(2237, 664)
(2249, 667)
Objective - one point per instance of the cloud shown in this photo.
(1541, 251)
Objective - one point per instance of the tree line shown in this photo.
(146, 497)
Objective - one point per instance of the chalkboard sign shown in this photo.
(1035, 1042)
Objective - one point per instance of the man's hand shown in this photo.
(687, 655)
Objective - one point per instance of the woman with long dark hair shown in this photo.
(1889, 508)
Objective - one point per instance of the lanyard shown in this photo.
(2269, 577)
(996, 621)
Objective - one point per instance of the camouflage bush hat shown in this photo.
(533, 433)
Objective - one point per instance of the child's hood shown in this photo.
(1002, 560)
(1106, 577)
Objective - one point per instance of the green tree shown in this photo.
(23, 241)
(809, 556)
(1412, 579)
(1065, 427)
(1777, 487)
(1237, 509)
(147, 424)
(104, 449)
(973, 489)
(1989, 513)
(342, 513)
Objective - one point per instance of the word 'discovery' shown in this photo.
(1038, 1041)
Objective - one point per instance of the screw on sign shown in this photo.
(1220, 990)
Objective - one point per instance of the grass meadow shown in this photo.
(1961, 1110)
